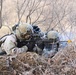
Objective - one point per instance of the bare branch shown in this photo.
(40, 13)
(1, 3)
(23, 11)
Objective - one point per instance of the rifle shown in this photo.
(30, 42)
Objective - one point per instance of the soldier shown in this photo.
(52, 45)
(13, 43)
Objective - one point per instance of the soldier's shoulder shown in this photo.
(11, 36)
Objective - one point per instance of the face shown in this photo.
(26, 35)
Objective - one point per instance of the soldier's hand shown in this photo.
(19, 50)
(25, 48)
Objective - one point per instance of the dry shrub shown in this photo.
(63, 63)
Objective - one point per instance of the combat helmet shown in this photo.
(24, 30)
(52, 34)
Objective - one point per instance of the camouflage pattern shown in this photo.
(51, 47)
(52, 34)
(22, 32)
(10, 46)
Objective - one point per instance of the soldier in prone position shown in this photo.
(50, 44)
(12, 44)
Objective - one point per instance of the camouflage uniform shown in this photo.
(22, 32)
(51, 47)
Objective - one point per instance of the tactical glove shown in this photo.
(19, 50)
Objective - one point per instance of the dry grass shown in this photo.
(63, 63)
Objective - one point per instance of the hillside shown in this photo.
(63, 63)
